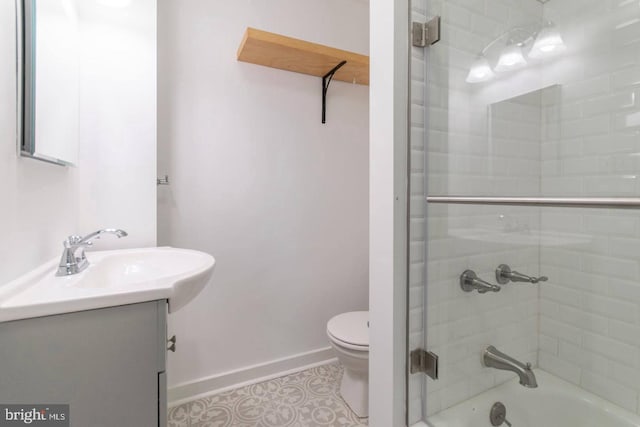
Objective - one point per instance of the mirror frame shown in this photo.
(26, 83)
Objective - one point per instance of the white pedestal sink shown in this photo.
(113, 278)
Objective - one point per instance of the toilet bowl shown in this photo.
(349, 336)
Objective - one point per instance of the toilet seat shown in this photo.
(340, 343)
(350, 330)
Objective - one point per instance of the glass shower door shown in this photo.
(525, 157)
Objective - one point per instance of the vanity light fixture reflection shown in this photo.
(480, 71)
(548, 42)
(511, 58)
(540, 40)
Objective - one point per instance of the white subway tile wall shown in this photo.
(565, 127)
(590, 308)
(595, 151)
(477, 143)
(461, 325)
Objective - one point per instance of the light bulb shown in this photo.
(548, 42)
(511, 58)
(480, 71)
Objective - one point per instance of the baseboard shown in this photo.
(214, 384)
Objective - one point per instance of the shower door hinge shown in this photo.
(424, 361)
(425, 34)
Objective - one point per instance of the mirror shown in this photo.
(81, 68)
(524, 132)
(49, 71)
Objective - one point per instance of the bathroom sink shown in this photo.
(113, 278)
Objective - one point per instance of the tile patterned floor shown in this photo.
(305, 399)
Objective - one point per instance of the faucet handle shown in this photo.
(498, 415)
(73, 259)
(75, 241)
(504, 275)
(470, 281)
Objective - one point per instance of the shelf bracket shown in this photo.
(326, 80)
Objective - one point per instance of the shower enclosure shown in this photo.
(525, 157)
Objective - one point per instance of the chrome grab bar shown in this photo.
(560, 202)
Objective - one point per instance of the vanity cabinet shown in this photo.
(107, 364)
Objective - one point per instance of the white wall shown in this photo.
(38, 200)
(57, 109)
(388, 213)
(278, 198)
(43, 203)
(117, 131)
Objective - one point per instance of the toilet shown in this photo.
(349, 337)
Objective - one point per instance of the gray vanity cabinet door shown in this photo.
(104, 363)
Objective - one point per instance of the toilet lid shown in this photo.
(351, 328)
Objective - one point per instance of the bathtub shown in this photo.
(555, 403)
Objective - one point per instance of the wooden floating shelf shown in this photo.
(286, 53)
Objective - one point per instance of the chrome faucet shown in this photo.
(493, 358)
(73, 258)
(469, 281)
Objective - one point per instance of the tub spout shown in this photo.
(493, 358)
